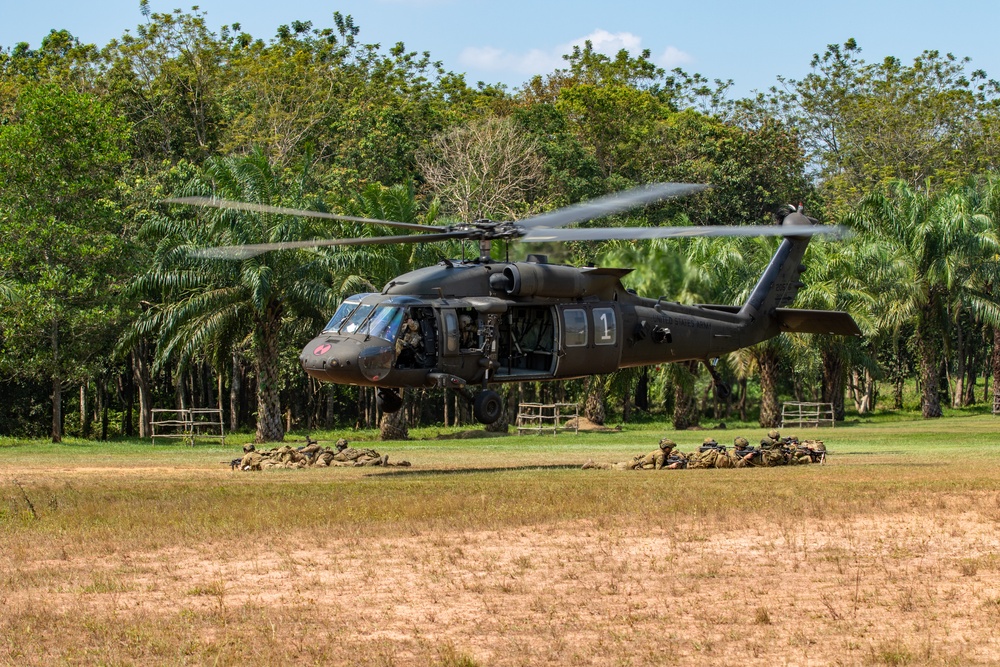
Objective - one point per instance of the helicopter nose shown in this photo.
(331, 360)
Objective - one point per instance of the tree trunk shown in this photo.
(996, 366)
(833, 382)
(56, 383)
(958, 393)
(235, 387)
(642, 390)
(86, 420)
(144, 384)
(508, 414)
(594, 408)
(770, 415)
(393, 424)
(685, 401)
(928, 348)
(269, 426)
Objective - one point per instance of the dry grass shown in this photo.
(504, 552)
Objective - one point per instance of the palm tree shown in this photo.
(217, 306)
(398, 203)
(841, 276)
(931, 243)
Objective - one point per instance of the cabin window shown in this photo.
(605, 326)
(451, 335)
(575, 320)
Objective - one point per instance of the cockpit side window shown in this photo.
(384, 323)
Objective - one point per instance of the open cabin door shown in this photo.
(526, 343)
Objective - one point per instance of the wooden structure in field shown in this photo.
(188, 424)
(807, 414)
(545, 417)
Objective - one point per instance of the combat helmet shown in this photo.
(709, 441)
(741, 442)
(341, 444)
(773, 434)
(667, 444)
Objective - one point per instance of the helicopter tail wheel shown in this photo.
(388, 400)
(487, 407)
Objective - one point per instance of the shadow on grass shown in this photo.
(409, 472)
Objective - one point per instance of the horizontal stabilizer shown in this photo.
(835, 322)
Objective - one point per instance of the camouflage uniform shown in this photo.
(468, 331)
(655, 460)
(410, 336)
(741, 461)
(771, 452)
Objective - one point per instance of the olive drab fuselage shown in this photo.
(475, 322)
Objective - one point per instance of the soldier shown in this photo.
(251, 458)
(706, 455)
(771, 453)
(408, 342)
(797, 454)
(655, 460)
(358, 457)
(468, 330)
(741, 456)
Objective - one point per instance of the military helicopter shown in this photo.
(466, 323)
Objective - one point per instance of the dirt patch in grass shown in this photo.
(896, 590)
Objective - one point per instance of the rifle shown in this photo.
(676, 459)
(817, 456)
(716, 446)
(754, 451)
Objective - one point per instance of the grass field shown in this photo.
(504, 552)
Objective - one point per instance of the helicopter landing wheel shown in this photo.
(388, 400)
(487, 407)
(723, 391)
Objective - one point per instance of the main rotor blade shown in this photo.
(610, 204)
(245, 251)
(212, 202)
(636, 233)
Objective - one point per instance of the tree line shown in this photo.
(104, 315)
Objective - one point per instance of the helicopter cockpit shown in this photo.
(401, 321)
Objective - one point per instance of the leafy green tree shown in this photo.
(864, 124)
(61, 238)
(168, 78)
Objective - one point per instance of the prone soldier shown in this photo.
(664, 456)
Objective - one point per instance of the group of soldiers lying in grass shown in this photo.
(772, 451)
(311, 455)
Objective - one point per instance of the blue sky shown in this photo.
(508, 41)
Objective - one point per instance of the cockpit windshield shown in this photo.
(384, 323)
(360, 314)
(343, 312)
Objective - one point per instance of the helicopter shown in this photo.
(479, 322)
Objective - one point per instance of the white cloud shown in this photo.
(673, 57)
(609, 43)
(542, 61)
